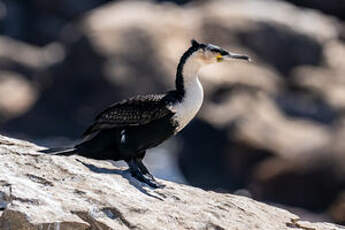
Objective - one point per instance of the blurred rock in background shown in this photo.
(273, 129)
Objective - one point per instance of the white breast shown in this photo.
(190, 105)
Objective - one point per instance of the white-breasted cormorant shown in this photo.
(126, 129)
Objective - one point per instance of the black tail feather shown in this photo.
(63, 151)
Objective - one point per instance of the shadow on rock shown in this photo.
(124, 173)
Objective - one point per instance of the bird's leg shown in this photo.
(137, 173)
(146, 172)
(141, 165)
(143, 168)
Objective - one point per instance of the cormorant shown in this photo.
(126, 129)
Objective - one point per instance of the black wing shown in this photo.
(135, 111)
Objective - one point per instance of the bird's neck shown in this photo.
(187, 73)
(190, 95)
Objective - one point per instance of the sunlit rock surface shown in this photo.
(44, 192)
(274, 127)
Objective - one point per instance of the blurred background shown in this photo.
(273, 130)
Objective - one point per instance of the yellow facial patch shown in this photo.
(219, 58)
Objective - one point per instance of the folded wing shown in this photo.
(135, 111)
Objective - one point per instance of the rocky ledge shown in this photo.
(44, 192)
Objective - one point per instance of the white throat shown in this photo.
(186, 110)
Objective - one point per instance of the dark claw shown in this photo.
(152, 182)
(140, 172)
(147, 179)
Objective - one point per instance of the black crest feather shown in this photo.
(194, 43)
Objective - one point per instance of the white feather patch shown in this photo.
(123, 136)
(191, 103)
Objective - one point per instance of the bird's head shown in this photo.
(200, 55)
(205, 54)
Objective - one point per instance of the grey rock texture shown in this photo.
(275, 127)
(50, 192)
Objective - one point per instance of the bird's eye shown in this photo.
(219, 58)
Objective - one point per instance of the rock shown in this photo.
(22, 65)
(254, 25)
(271, 131)
(15, 102)
(311, 182)
(337, 209)
(326, 81)
(264, 126)
(332, 7)
(27, 56)
(40, 191)
(39, 23)
(103, 68)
